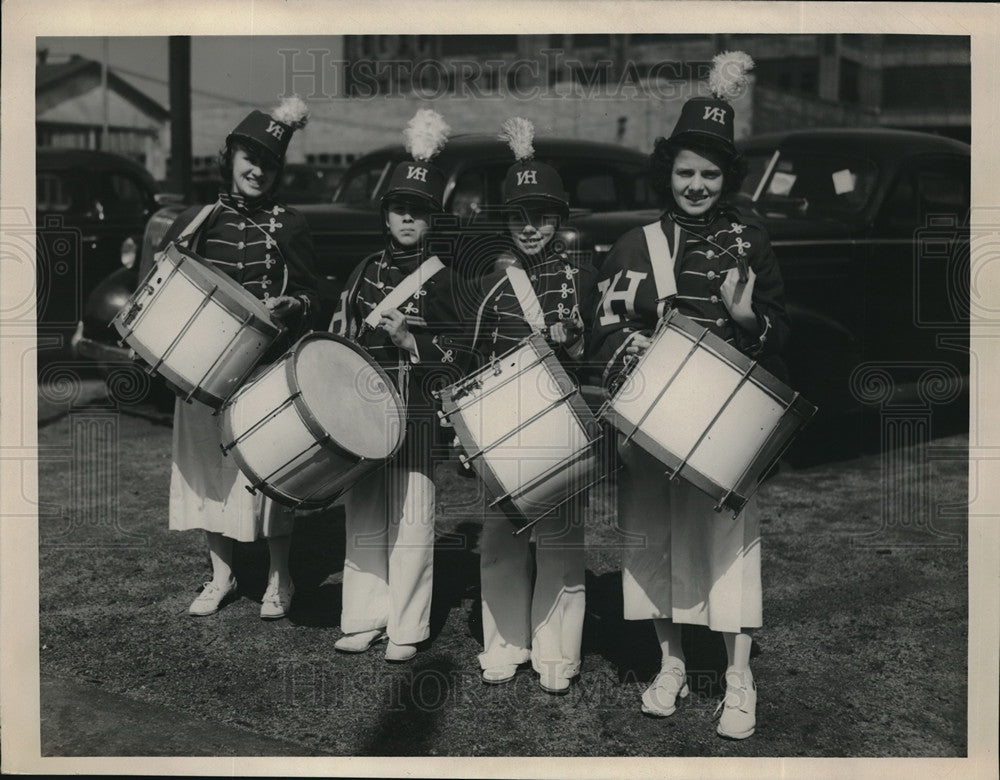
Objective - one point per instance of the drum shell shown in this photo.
(270, 429)
(526, 430)
(196, 327)
(708, 412)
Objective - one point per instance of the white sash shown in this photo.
(527, 298)
(663, 261)
(404, 289)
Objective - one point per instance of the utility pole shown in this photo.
(180, 114)
(104, 143)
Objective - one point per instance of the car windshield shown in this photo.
(808, 185)
(362, 181)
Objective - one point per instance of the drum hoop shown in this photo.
(760, 376)
(224, 295)
(310, 420)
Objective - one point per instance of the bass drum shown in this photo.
(313, 423)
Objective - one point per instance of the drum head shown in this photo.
(349, 396)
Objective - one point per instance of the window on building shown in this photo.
(850, 81)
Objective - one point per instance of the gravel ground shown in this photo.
(863, 652)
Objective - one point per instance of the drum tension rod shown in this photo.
(663, 390)
(585, 451)
(524, 424)
(222, 353)
(187, 327)
(265, 419)
(715, 418)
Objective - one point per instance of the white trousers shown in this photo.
(388, 568)
(543, 620)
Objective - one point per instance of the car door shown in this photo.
(917, 273)
(117, 205)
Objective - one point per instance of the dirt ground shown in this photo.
(862, 653)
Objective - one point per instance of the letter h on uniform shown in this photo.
(275, 129)
(416, 172)
(527, 177)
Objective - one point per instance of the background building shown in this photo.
(73, 110)
(621, 88)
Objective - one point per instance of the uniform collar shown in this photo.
(241, 204)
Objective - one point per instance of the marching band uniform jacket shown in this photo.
(430, 315)
(628, 294)
(266, 248)
(499, 322)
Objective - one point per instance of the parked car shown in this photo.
(91, 209)
(870, 228)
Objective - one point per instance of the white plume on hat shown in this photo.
(519, 133)
(728, 78)
(292, 112)
(425, 134)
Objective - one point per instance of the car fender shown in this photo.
(110, 295)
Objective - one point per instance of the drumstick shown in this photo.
(741, 265)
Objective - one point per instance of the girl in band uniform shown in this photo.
(695, 565)
(390, 514)
(266, 247)
(541, 621)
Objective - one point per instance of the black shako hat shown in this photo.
(417, 180)
(271, 133)
(529, 181)
(708, 122)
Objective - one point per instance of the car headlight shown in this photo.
(129, 248)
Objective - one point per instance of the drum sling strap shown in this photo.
(664, 262)
(194, 224)
(526, 298)
(404, 289)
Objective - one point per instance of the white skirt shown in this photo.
(207, 489)
(682, 559)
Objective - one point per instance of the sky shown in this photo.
(224, 70)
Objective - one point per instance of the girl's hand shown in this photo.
(394, 323)
(283, 306)
(738, 296)
(567, 331)
(639, 344)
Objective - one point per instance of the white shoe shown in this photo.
(660, 698)
(739, 707)
(399, 653)
(211, 598)
(360, 641)
(497, 675)
(277, 601)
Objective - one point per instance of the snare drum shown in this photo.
(526, 430)
(196, 327)
(708, 412)
(312, 424)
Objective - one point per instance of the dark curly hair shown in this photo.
(661, 165)
(225, 163)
